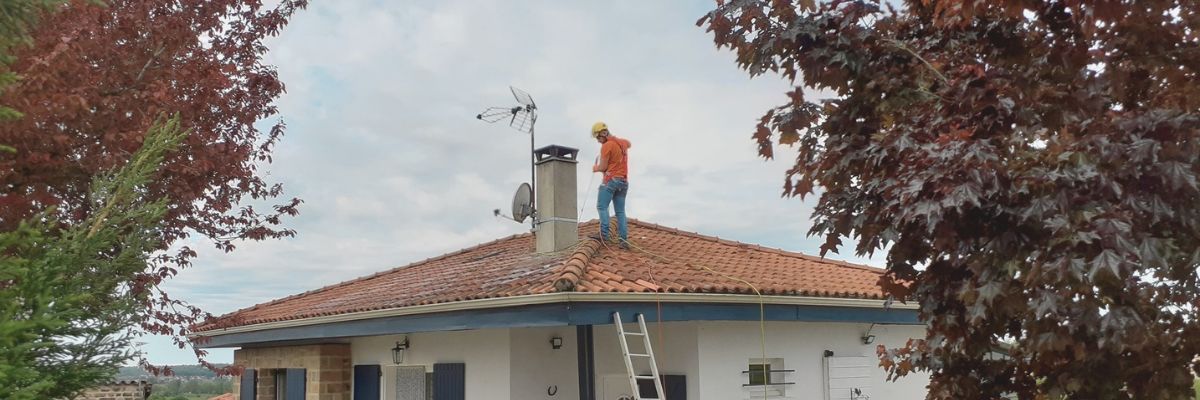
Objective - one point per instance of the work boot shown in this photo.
(624, 245)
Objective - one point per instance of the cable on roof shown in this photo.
(658, 303)
(570, 249)
(588, 189)
(762, 314)
(657, 296)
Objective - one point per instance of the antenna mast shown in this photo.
(521, 117)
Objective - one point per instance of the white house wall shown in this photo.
(521, 364)
(676, 353)
(537, 369)
(485, 353)
(725, 350)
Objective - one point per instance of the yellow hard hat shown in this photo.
(597, 128)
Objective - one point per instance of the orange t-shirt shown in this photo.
(615, 150)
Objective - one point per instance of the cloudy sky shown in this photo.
(383, 145)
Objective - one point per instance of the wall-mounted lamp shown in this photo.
(398, 351)
(868, 338)
(556, 342)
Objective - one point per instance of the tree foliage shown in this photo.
(16, 19)
(94, 79)
(1029, 166)
(166, 388)
(67, 292)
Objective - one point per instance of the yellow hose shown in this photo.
(762, 314)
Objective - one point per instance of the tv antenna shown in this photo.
(521, 117)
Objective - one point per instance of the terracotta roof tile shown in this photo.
(664, 259)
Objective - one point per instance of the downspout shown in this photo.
(587, 362)
(825, 374)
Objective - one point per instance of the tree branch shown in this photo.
(157, 53)
(901, 46)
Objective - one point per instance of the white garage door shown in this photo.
(850, 377)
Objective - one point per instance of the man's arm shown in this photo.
(602, 164)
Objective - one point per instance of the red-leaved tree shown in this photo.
(95, 78)
(1029, 166)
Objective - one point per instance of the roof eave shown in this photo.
(563, 297)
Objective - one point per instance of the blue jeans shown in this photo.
(614, 191)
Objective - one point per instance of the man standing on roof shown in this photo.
(613, 162)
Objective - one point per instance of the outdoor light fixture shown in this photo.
(556, 342)
(398, 351)
(868, 338)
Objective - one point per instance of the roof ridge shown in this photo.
(575, 266)
(728, 242)
(367, 277)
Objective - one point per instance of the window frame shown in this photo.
(775, 383)
(280, 375)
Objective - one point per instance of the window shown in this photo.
(766, 377)
(281, 384)
(760, 374)
(674, 387)
(289, 384)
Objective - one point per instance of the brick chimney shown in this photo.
(557, 216)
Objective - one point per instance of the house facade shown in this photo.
(532, 317)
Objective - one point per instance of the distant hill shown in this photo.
(182, 371)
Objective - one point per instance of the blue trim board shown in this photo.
(562, 314)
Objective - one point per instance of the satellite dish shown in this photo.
(522, 204)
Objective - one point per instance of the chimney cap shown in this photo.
(555, 152)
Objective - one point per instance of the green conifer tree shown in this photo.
(66, 303)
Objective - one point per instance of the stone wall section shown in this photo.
(327, 369)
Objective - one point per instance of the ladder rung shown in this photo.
(638, 355)
(643, 376)
(635, 333)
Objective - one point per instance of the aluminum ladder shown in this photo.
(649, 355)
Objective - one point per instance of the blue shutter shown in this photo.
(249, 390)
(449, 381)
(366, 382)
(295, 384)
